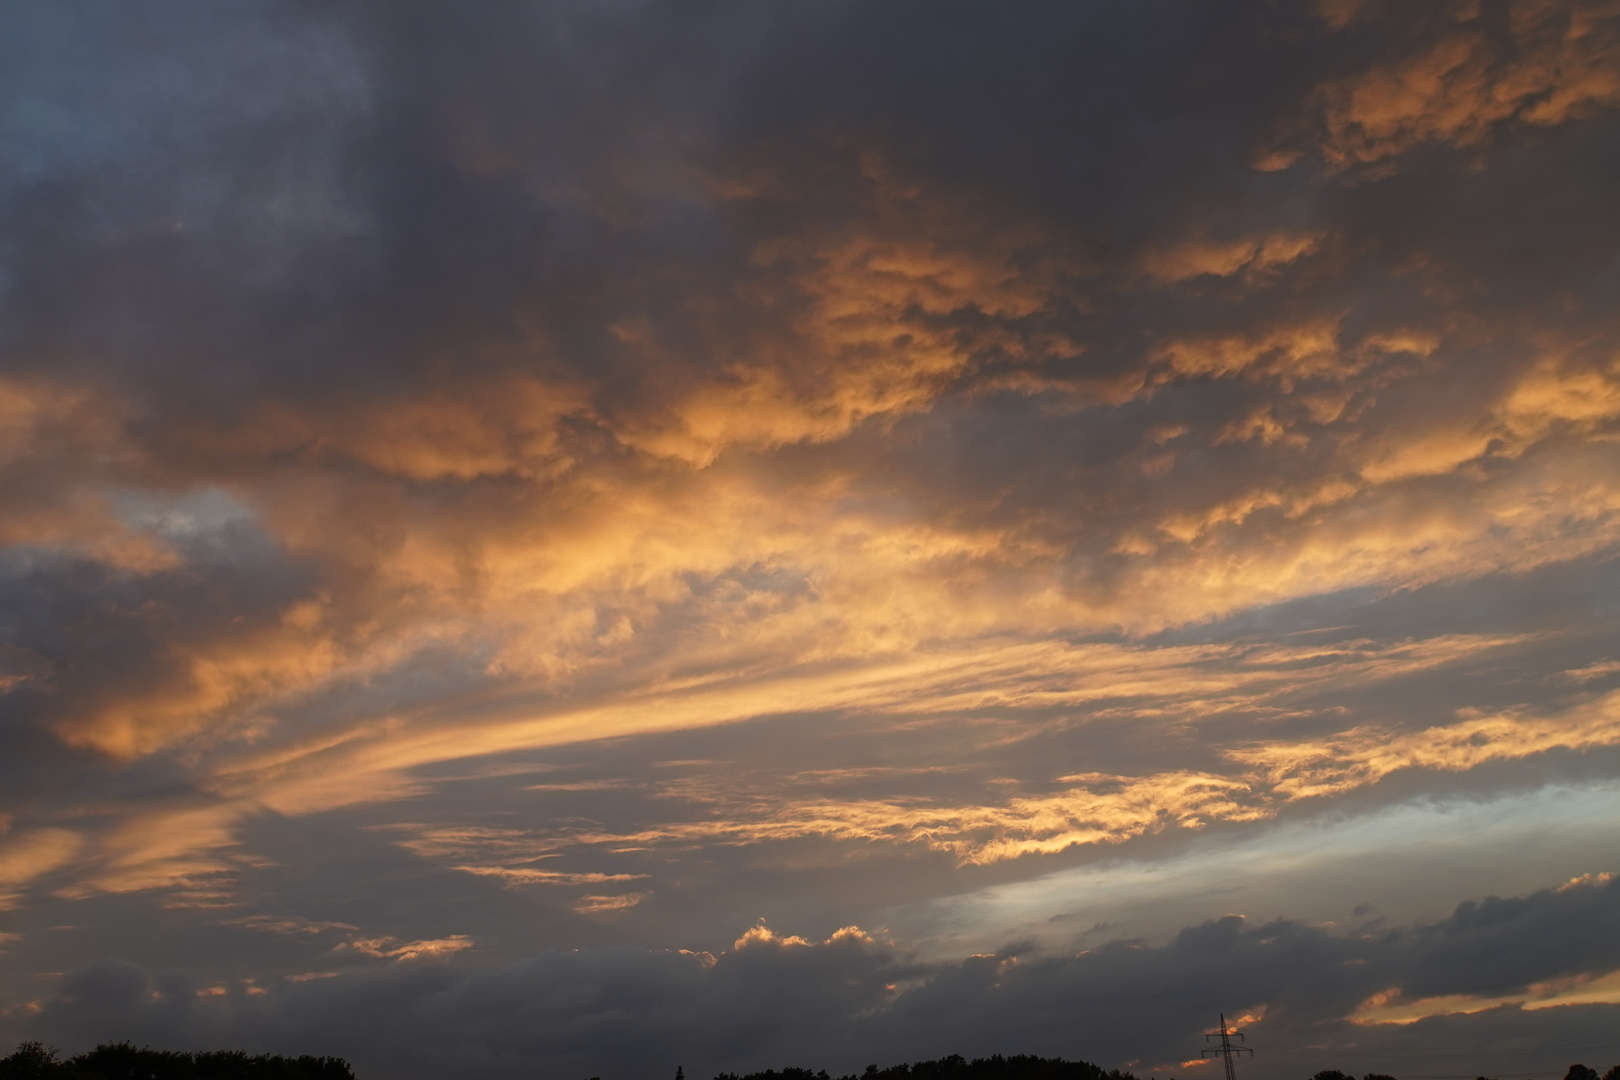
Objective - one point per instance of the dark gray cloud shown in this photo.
(769, 1001)
(324, 206)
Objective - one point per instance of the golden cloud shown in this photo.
(1094, 809)
(74, 435)
(26, 856)
(578, 587)
(1078, 816)
(1393, 1007)
(676, 566)
(609, 905)
(390, 948)
(869, 341)
(1563, 63)
(524, 875)
(1252, 257)
(221, 683)
(1039, 675)
(1364, 756)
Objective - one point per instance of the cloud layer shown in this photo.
(1488, 973)
(482, 481)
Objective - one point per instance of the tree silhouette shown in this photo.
(124, 1061)
(956, 1067)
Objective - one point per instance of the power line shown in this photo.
(1226, 1049)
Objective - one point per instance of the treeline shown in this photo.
(1027, 1067)
(122, 1061)
(1576, 1072)
(956, 1067)
(1581, 1072)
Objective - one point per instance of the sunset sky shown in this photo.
(565, 539)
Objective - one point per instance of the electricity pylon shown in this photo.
(1226, 1049)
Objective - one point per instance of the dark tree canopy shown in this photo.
(956, 1067)
(122, 1061)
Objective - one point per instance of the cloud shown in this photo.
(1474, 70)
(27, 856)
(1390, 1007)
(195, 847)
(524, 875)
(1092, 809)
(989, 440)
(285, 924)
(910, 290)
(774, 999)
(388, 948)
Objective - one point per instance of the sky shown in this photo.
(577, 538)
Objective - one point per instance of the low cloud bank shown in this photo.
(1504, 974)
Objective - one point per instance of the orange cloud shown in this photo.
(523, 875)
(1393, 1007)
(1307, 350)
(1078, 816)
(72, 435)
(1564, 63)
(1094, 809)
(499, 426)
(1252, 257)
(27, 856)
(673, 567)
(870, 341)
(608, 905)
(390, 948)
(221, 683)
(182, 851)
(759, 935)
(1020, 675)
(1365, 755)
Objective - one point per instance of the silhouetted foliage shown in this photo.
(956, 1067)
(33, 1061)
(1580, 1072)
(1332, 1074)
(122, 1061)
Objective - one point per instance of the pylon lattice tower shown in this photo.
(1227, 1049)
